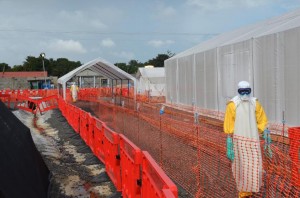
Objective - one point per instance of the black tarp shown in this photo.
(23, 172)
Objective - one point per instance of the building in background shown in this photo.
(151, 81)
(27, 80)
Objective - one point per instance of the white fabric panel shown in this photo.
(265, 54)
(266, 73)
(151, 72)
(200, 80)
(291, 76)
(171, 69)
(235, 65)
(153, 80)
(206, 80)
(185, 79)
(211, 79)
(274, 25)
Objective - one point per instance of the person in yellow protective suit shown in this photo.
(74, 90)
(244, 119)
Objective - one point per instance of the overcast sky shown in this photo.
(121, 30)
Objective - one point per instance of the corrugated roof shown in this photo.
(23, 74)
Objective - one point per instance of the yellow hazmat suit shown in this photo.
(74, 90)
(245, 119)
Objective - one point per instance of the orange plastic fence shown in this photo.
(122, 158)
(294, 134)
(91, 133)
(152, 172)
(194, 153)
(84, 125)
(23, 99)
(112, 157)
(95, 94)
(5, 98)
(99, 140)
(131, 159)
(47, 103)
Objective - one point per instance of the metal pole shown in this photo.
(44, 71)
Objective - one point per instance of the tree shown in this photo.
(4, 67)
(131, 67)
(122, 66)
(57, 67)
(158, 61)
(17, 68)
(33, 64)
(61, 66)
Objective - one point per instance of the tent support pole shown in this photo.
(128, 91)
(112, 88)
(121, 92)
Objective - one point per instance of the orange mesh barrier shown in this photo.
(193, 151)
(294, 134)
(123, 160)
(5, 98)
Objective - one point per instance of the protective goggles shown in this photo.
(244, 91)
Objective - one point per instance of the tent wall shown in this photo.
(151, 81)
(291, 84)
(234, 65)
(171, 80)
(271, 64)
(206, 79)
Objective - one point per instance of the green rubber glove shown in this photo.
(268, 140)
(229, 152)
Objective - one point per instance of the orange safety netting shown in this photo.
(193, 152)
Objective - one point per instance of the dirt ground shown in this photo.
(75, 171)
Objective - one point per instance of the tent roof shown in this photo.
(151, 72)
(281, 23)
(99, 66)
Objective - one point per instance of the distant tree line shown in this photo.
(61, 66)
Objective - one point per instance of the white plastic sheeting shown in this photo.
(265, 54)
(99, 66)
(152, 81)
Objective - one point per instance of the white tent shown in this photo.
(99, 66)
(265, 54)
(151, 80)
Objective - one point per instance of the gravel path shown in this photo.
(75, 171)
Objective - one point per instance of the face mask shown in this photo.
(245, 97)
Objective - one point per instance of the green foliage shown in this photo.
(4, 67)
(133, 65)
(158, 61)
(58, 67)
(61, 66)
(17, 68)
(122, 66)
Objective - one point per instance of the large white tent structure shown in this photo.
(99, 66)
(151, 80)
(266, 54)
